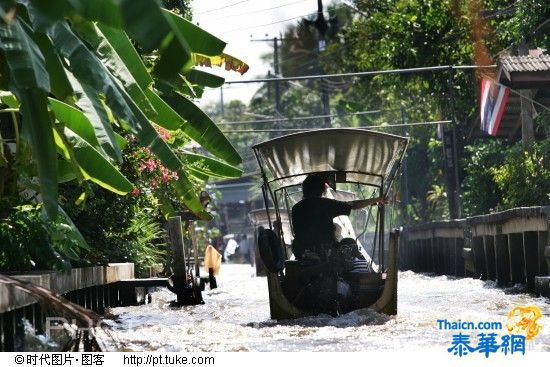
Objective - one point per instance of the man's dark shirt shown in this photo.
(312, 223)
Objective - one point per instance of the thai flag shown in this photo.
(493, 101)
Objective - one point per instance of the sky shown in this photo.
(237, 22)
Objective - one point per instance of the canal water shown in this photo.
(235, 317)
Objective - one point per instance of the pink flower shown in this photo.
(151, 164)
(164, 134)
(175, 176)
(136, 191)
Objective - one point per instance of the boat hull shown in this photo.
(377, 291)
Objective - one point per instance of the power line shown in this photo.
(259, 11)
(365, 73)
(411, 124)
(371, 112)
(268, 24)
(277, 22)
(223, 7)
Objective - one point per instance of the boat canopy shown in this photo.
(258, 217)
(354, 155)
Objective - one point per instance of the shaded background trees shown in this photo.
(400, 34)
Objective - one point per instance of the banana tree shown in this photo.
(75, 71)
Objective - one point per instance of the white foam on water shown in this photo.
(235, 317)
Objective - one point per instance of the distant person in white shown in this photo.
(230, 249)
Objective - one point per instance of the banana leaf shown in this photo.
(156, 31)
(231, 62)
(30, 83)
(77, 121)
(95, 111)
(186, 191)
(199, 127)
(126, 51)
(209, 166)
(111, 59)
(9, 99)
(93, 165)
(198, 39)
(60, 85)
(81, 62)
(200, 77)
(65, 171)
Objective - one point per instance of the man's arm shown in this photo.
(360, 204)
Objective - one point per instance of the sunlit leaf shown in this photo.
(209, 166)
(199, 127)
(229, 62)
(95, 167)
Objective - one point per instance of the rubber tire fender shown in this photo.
(270, 250)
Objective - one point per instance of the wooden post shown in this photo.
(517, 259)
(100, 299)
(502, 256)
(8, 321)
(38, 318)
(479, 258)
(542, 241)
(530, 254)
(459, 245)
(2, 348)
(490, 263)
(177, 252)
(193, 238)
(19, 334)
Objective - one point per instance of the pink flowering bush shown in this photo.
(152, 177)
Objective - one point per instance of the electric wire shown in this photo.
(408, 125)
(223, 7)
(258, 11)
(366, 73)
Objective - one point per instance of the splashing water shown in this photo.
(235, 317)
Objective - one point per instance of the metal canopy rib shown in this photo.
(368, 157)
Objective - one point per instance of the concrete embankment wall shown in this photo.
(509, 247)
(95, 288)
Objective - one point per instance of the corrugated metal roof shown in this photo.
(525, 63)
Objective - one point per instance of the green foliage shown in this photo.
(86, 77)
(79, 54)
(524, 177)
(526, 21)
(30, 241)
(481, 194)
(118, 228)
(143, 244)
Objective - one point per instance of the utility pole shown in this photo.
(527, 128)
(321, 25)
(221, 103)
(450, 156)
(405, 175)
(276, 70)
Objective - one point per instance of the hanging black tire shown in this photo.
(270, 250)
